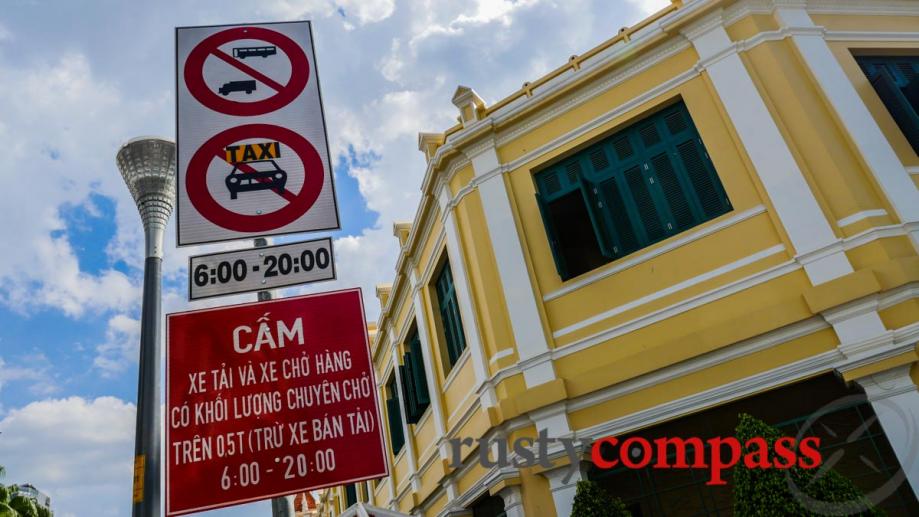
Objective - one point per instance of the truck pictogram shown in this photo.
(247, 86)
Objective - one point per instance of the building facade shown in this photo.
(715, 212)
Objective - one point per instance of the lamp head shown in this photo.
(148, 165)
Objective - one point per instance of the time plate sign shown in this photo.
(268, 399)
(260, 269)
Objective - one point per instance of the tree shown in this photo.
(591, 500)
(24, 506)
(6, 511)
(769, 493)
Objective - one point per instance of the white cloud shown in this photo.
(32, 369)
(650, 6)
(79, 451)
(122, 339)
(366, 11)
(60, 134)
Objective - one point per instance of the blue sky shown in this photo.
(79, 77)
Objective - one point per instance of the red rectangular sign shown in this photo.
(268, 399)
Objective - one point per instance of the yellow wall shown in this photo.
(731, 279)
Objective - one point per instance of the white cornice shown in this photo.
(864, 7)
(872, 36)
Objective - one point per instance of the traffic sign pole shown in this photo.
(280, 506)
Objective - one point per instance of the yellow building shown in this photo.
(714, 212)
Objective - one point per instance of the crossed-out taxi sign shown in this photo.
(253, 155)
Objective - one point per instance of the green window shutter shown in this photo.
(639, 185)
(705, 185)
(396, 436)
(552, 234)
(421, 383)
(674, 193)
(898, 106)
(619, 217)
(350, 495)
(591, 197)
(450, 316)
(408, 392)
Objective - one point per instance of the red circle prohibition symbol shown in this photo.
(194, 72)
(299, 203)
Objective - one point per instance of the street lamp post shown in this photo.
(147, 165)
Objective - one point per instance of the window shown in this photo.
(414, 384)
(396, 436)
(639, 186)
(449, 314)
(896, 81)
(350, 495)
(488, 506)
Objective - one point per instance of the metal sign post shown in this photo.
(280, 506)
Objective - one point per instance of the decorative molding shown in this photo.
(644, 256)
(460, 362)
(859, 216)
(913, 170)
(735, 351)
(888, 383)
(862, 7)
(685, 284)
(603, 84)
(501, 354)
(871, 36)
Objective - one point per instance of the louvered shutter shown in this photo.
(639, 186)
(619, 216)
(408, 392)
(552, 234)
(598, 162)
(898, 106)
(422, 395)
(397, 437)
(674, 194)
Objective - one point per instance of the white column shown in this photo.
(795, 204)
(513, 501)
(409, 438)
(895, 400)
(526, 323)
(563, 491)
(875, 149)
(464, 294)
(815, 243)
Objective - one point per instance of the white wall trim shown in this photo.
(645, 255)
(859, 216)
(454, 371)
(685, 284)
(858, 123)
(862, 7)
(501, 354)
(795, 204)
(871, 36)
(601, 84)
(465, 409)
